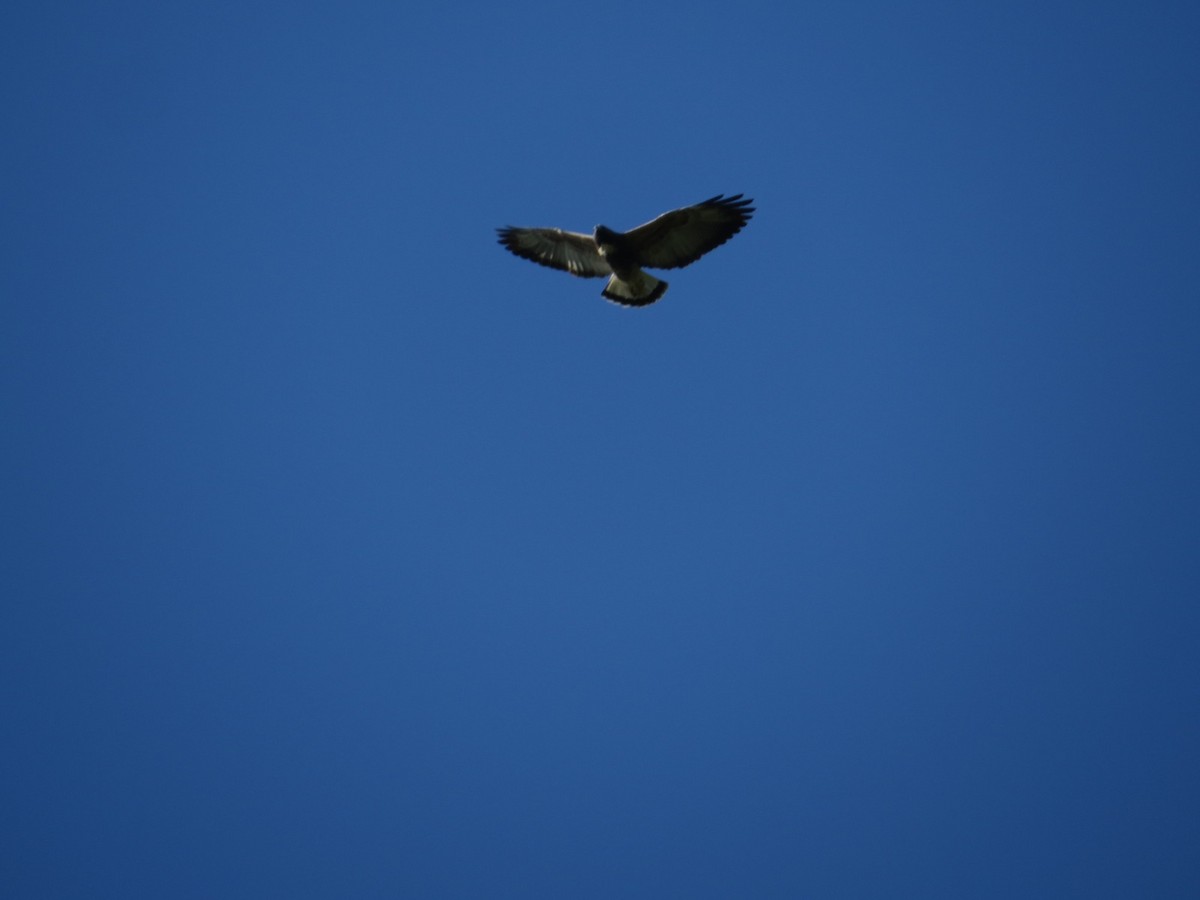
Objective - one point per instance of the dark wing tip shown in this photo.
(507, 238)
(735, 202)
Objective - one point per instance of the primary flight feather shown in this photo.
(673, 240)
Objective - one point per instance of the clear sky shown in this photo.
(347, 555)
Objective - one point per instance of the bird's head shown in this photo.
(606, 240)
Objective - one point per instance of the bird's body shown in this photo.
(670, 241)
(628, 281)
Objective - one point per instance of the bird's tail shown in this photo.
(639, 290)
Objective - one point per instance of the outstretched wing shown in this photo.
(682, 236)
(558, 249)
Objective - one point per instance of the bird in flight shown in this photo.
(673, 240)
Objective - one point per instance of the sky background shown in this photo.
(347, 555)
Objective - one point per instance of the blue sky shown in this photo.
(348, 555)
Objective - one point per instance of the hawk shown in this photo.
(673, 240)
